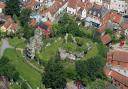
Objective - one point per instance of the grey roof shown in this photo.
(98, 12)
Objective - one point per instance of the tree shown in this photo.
(24, 86)
(54, 76)
(95, 67)
(90, 69)
(25, 17)
(97, 84)
(8, 70)
(68, 25)
(12, 7)
(28, 32)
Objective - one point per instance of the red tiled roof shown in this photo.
(120, 56)
(48, 23)
(55, 7)
(14, 26)
(105, 39)
(30, 4)
(2, 5)
(33, 22)
(125, 25)
(8, 23)
(72, 3)
(101, 28)
(115, 17)
(122, 79)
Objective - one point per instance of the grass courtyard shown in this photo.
(18, 43)
(0, 43)
(50, 51)
(28, 73)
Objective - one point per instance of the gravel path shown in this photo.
(5, 45)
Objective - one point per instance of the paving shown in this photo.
(5, 45)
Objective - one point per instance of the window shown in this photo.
(90, 12)
(94, 13)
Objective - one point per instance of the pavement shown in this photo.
(5, 45)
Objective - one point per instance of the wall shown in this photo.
(71, 10)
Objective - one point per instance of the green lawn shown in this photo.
(27, 72)
(0, 43)
(15, 86)
(92, 53)
(50, 51)
(19, 43)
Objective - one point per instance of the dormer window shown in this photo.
(90, 12)
(94, 13)
(98, 15)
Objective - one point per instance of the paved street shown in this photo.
(5, 44)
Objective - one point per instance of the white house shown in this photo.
(72, 6)
(120, 6)
(95, 16)
(99, 2)
(2, 6)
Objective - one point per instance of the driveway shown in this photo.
(5, 44)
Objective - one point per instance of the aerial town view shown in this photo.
(63, 44)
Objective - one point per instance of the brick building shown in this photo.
(117, 68)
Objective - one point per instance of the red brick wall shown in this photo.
(121, 64)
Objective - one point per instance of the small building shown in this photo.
(106, 40)
(95, 16)
(118, 58)
(116, 68)
(120, 6)
(2, 6)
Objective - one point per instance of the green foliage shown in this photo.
(7, 69)
(69, 69)
(68, 24)
(102, 49)
(24, 86)
(12, 7)
(28, 32)
(56, 28)
(25, 16)
(54, 76)
(97, 84)
(90, 69)
(109, 31)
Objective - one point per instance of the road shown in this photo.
(5, 45)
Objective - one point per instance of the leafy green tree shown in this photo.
(90, 69)
(25, 16)
(55, 28)
(102, 49)
(54, 76)
(97, 84)
(95, 67)
(12, 7)
(7, 69)
(68, 25)
(28, 32)
(24, 86)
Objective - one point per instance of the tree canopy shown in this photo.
(91, 68)
(54, 76)
(12, 7)
(97, 84)
(8, 70)
(67, 24)
(25, 16)
(27, 31)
